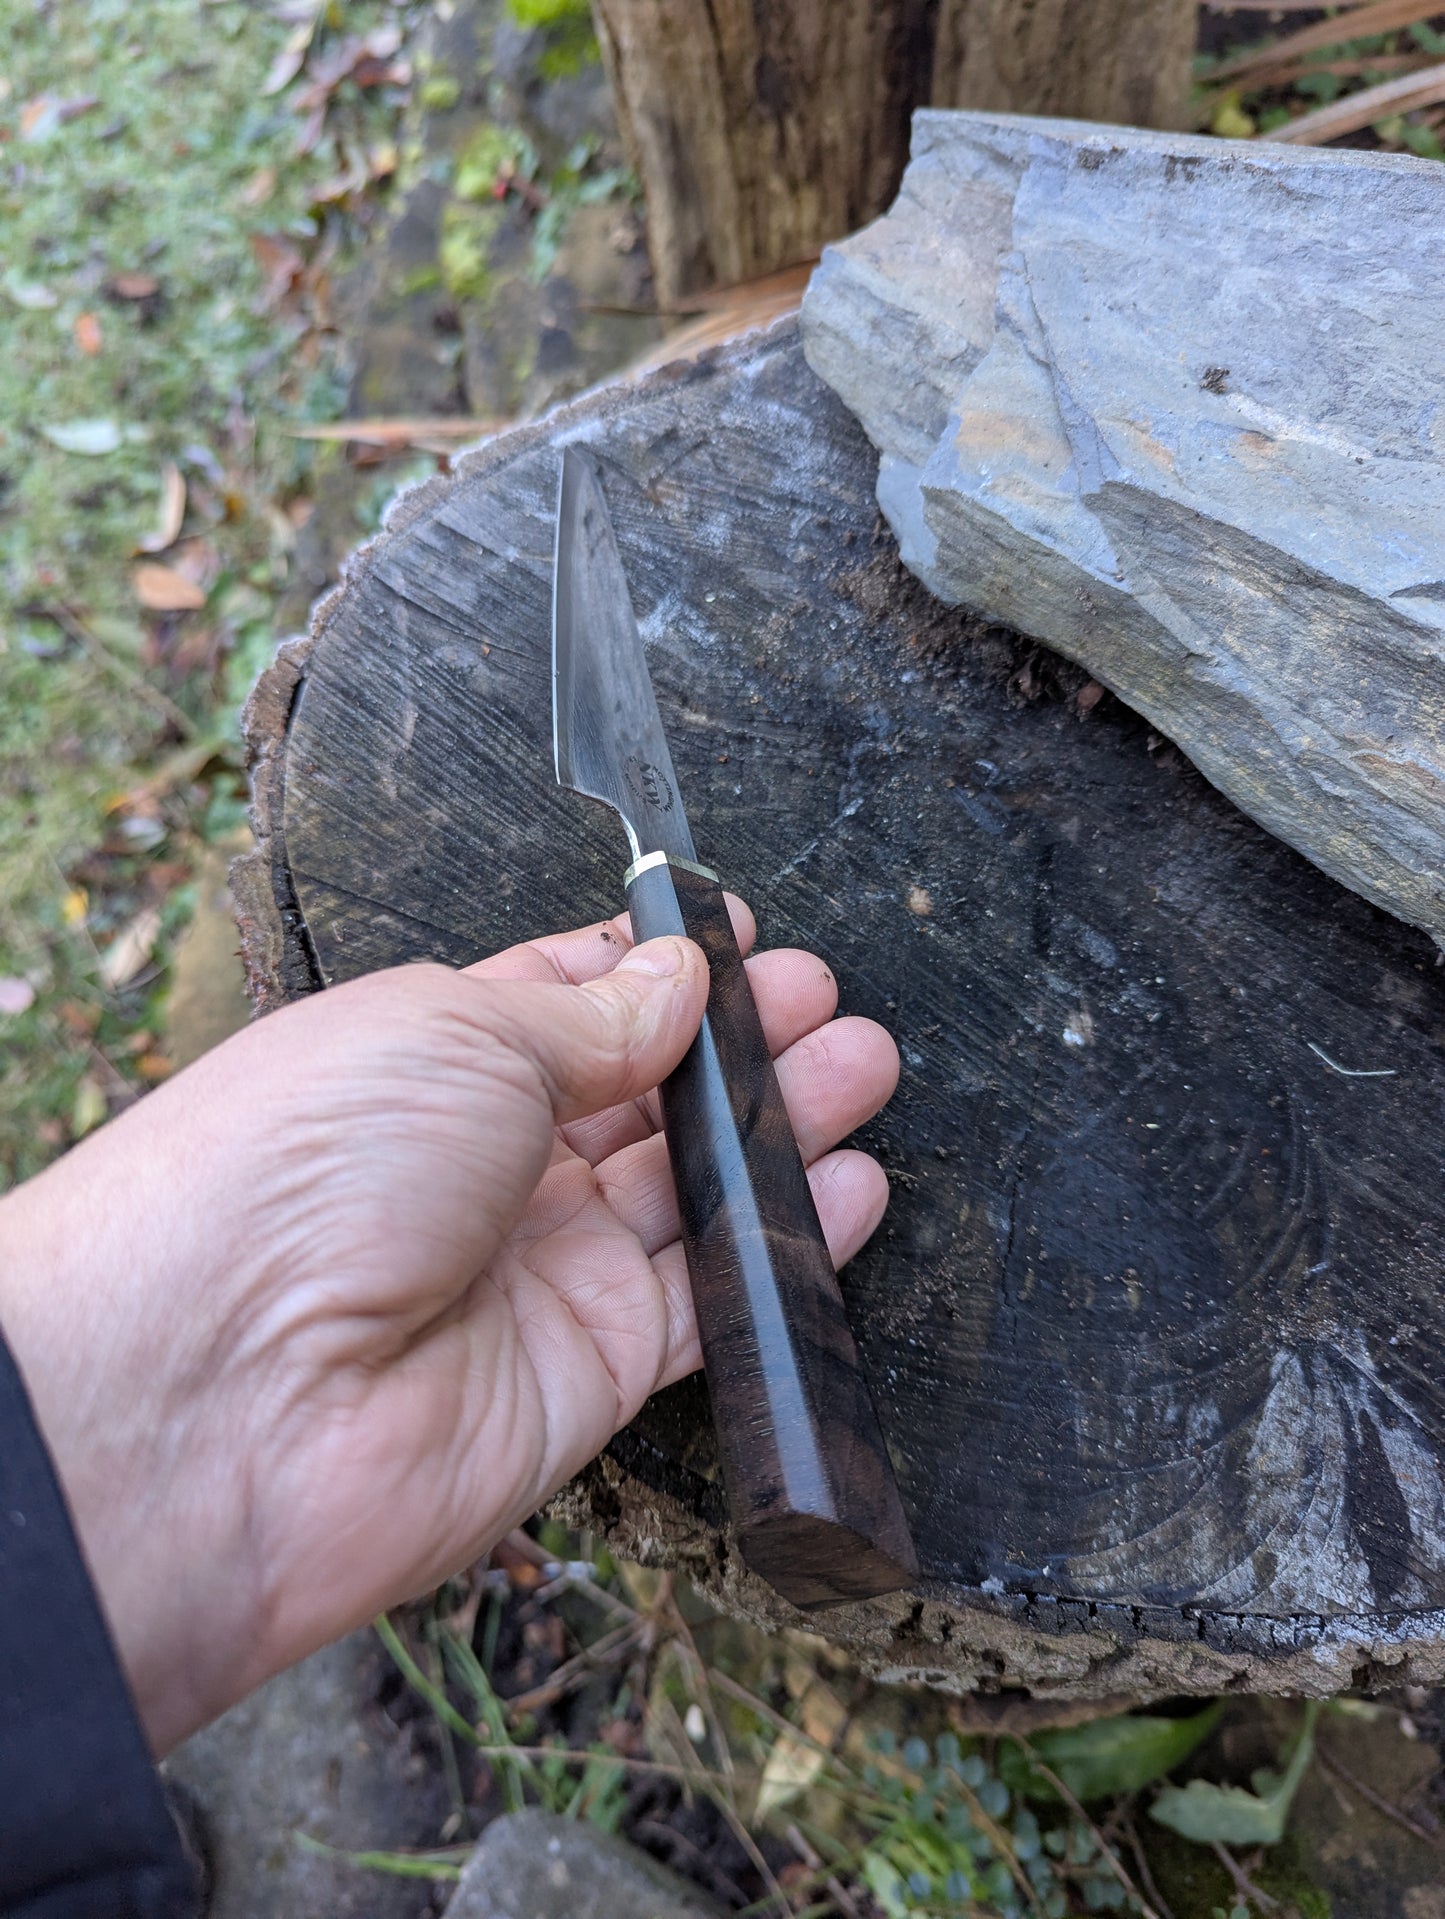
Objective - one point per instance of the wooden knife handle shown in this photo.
(812, 1493)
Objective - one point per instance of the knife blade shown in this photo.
(811, 1491)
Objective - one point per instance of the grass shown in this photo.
(632, 1706)
(163, 278)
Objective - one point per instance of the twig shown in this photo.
(1346, 1072)
(775, 1718)
(1243, 1884)
(1381, 16)
(1141, 1860)
(1375, 1799)
(670, 1836)
(573, 1670)
(682, 1636)
(1356, 110)
(71, 624)
(844, 1899)
(569, 1755)
(1047, 1772)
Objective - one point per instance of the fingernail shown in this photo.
(661, 958)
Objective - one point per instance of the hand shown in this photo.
(315, 1324)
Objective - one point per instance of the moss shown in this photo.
(491, 157)
(1196, 1886)
(439, 92)
(569, 41)
(465, 249)
(420, 280)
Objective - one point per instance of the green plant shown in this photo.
(1229, 1815)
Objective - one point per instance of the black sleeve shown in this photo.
(84, 1830)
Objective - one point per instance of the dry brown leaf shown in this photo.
(197, 560)
(1359, 110)
(130, 949)
(132, 286)
(291, 58)
(163, 590)
(1380, 16)
(173, 511)
(727, 312)
(87, 333)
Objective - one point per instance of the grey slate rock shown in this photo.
(1174, 406)
(535, 1865)
(312, 1753)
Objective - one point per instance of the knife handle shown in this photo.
(813, 1499)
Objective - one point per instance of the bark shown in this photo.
(761, 132)
(1118, 60)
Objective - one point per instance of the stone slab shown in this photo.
(1171, 405)
(536, 1865)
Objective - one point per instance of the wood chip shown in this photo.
(163, 590)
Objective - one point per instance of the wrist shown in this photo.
(123, 1442)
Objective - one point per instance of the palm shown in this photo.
(486, 1389)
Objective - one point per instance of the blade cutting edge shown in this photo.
(607, 735)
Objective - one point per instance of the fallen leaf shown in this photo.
(72, 109)
(87, 333)
(259, 187)
(281, 261)
(16, 995)
(28, 293)
(289, 61)
(79, 1017)
(84, 436)
(163, 590)
(89, 1108)
(173, 511)
(132, 286)
(790, 1769)
(153, 1067)
(39, 117)
(130, 949)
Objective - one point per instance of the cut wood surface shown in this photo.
(760, 132)
(1167, 403)
(1154, 1320)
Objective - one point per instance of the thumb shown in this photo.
(616, 1037)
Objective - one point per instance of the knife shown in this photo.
(811, 1492)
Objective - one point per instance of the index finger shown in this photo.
(589, 952)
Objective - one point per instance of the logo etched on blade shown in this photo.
(648, 783)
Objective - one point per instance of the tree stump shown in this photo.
(1153, 1323)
